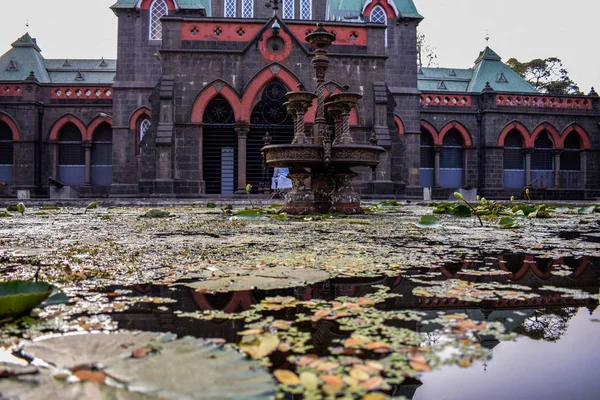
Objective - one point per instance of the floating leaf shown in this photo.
(463, 210)
(309, 380)
(249, 214)
(262, 347)
(20, 297)
(507, 223)
(93, 205)
(586, 210)
(428, 221)
(286, 377)
(156, 213)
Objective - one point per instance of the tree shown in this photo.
(547, 324)
(425, 51)
(546, 75)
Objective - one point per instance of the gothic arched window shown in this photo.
(247, 8)
(158, 9)
(379, 16)
(305, 9)
(288, 9)
(514, 161)
(229, 11)
(6, 153)
(144, 127)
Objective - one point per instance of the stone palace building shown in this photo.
(197, 84)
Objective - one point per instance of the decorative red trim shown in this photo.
(344, 36)
(62, 121)
(467, 142)
(389, 11)
(548, 127)
(147, 3)
(82, 92)
(268, 54)
(584, 138)
(96, 122)
(211, 91)
(11, 124)
(12, 90)
(514, 125)
(537, 100)
(220, 31)
(399, 125)
(135, 117)
(452, 100)
(432, 131)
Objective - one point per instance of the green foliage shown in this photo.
(156, 213)
(586, 210)
(11, 208)
(507, 223)
(4, 214)
(21, 208)
(249, 214)
(20, 297)
(93, 205)
(546, 75)
(49, 208)
(210, 204)
(428, 221)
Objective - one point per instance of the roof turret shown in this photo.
(22, 59)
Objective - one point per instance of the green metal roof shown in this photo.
(183, 4)
(407, 9)
(488, 68)
(25, 57)
(340, 10)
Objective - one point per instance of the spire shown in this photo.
(593, 92)
(489, 55)
(26, 41)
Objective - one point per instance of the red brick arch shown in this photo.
(464, 133)
(575, 129)
(260, 80)
(96, 122)
(210, 92)
(62, 121)
(427, 126)
(390, 10)
(548, 127)
(137, 114)
(519, 127)
(11, 125)
(399, 125)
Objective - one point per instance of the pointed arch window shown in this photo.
(102, 156)
(305, 9)
(570, 163)
(542, 162)
(514, 161)
(288, 9)
(6, 153)
(451, 160)
(247, 8)
(158, 9)
(427, 160)
(229, 11)
(379, 16)
(144, 128)
(71, 156)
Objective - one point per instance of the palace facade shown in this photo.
(198, 85)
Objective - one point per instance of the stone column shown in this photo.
(527, 153)
(557, 153)
(242, 134)
(87, 146)
(436, 165)
(320, 63)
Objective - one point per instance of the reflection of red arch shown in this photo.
(460, 128)
(431, 130)
(242, 298)
(584, 139)
(62, 121)
(309, 118)
(212, 91)
(554, 136)
(91, 129)
(135, 117)
(147, 3)
(399, 125)
(260, 81)
(522, 271)
(465, 266)
(11, 125)
(583, 265)
(519, 127)
(371, 4)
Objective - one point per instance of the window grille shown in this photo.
(570, 159)
(247, 8)
(513, 152)
(305, 9)
(288, 9)
(157, 11)
(144, 128)
(102, 146)
(542, 157)
(6, 145)
(427, 154)
(452, 151)
(219, 112)
(229, 8)
(378, 15)
(70, 150)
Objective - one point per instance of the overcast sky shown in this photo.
(524, 29)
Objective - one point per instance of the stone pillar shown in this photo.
(436, 165)
(320, 63)
(527, 153)
(242, 134)
(87, 146)
(557, 153)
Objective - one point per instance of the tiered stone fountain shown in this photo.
(322, 157)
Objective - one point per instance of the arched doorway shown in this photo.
(542, 162)
(6, 153)
(269, 115)
(514, 161)
(219, 147)
(570, 163)
(102, 155)
(451, 160)
(71, 156)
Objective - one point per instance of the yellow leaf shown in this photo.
(332, 380)
(374, 396)
(464, 363)
(286, 377)
(330, 390)
(359, 374)
(374, 383)
(267, 344)
(309, 380)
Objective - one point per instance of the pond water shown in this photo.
(544, 312)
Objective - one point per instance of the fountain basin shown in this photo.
(312, 156)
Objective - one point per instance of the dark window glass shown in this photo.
(70, 150)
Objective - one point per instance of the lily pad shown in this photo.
(428, 221)
(170, 369)
(586, 210)
(507, 223)
(249, 214)
(156, 213)
(20, 297)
